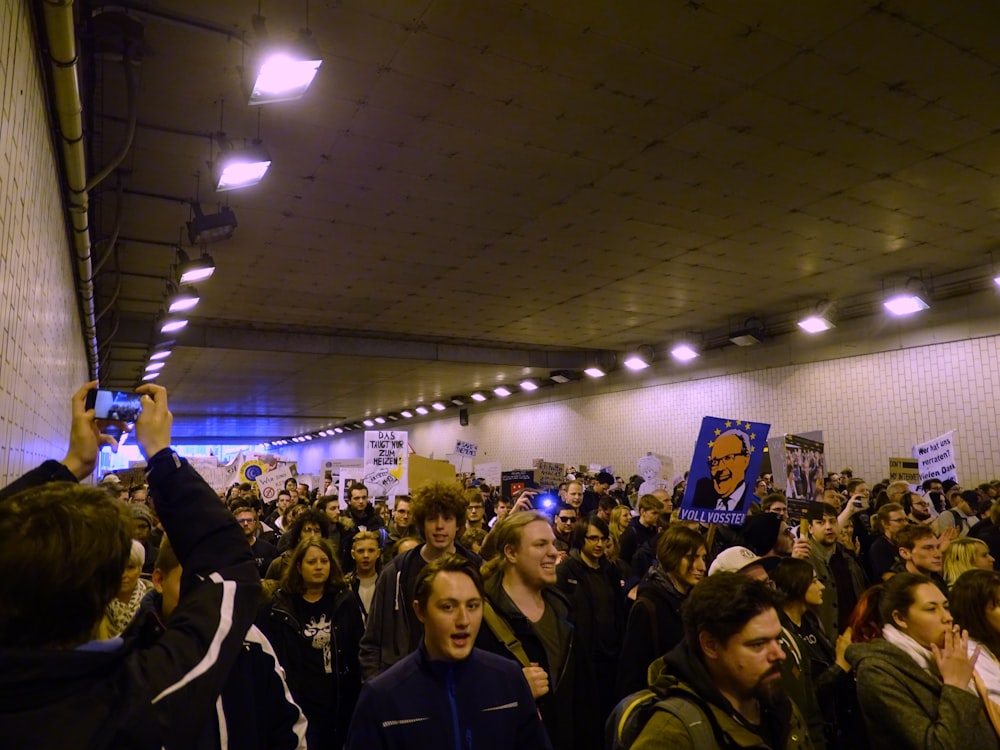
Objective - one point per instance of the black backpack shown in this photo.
(633, 712)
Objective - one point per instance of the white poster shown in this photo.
(936, 458)
(270, 483)
(466, 449)
(460, 461)
(386, 462)
(489, 472)
(349, 475)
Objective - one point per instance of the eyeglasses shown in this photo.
(727, 459)
(597, 538)
(245, 521)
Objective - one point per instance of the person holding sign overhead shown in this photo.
(726, 487)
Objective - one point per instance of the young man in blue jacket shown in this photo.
(448, 694)
(65, 547)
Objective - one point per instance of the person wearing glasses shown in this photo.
(595, 588)
(562, 527)
(726, 487)
(263, 551)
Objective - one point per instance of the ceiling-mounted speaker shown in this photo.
(463, 417)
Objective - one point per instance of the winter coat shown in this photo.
(907, 708)
(129, 693)
(829, 614)
(479, 703)
(682, 669)
(329, 714)
(654, 627)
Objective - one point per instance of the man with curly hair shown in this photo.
(393, 630)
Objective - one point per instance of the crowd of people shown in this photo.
(158, 616)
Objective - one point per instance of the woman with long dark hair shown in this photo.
(314, 624)
(915, 682)
(975, 604)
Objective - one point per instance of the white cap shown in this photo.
(733, 560)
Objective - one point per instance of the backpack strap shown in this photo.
(696, 715)
(504, 634)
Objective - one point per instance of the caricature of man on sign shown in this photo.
(726, 459)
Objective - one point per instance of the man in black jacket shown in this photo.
(59, 688)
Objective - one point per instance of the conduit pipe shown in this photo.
(60, 33)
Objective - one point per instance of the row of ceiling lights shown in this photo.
(900, 305)
(284, 73)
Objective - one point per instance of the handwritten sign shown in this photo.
(936, 458)
(466, 449)
(904, 470)
(549, 475)
(386, 459)
(270, 483)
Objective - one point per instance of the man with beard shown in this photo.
(726, 487)
(729, 668)
(917, 509)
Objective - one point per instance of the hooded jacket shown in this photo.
(125, 693)
(682, 670)
(654, 627)
(907, 707)
(571, 695)
(479, 703)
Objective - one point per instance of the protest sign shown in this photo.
(386, 459)
(726, 461)
(548, 476)
(512, 482)
(936, 458)
(460, 461)
(348, 476)
(271, 482)
(804, 467)
(489, 472)
(904, 470)
(250, 470)
(466, 449)
(651, 469)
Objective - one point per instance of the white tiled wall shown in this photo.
(869, 407)
(42, 358)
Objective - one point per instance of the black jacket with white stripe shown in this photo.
(130, 692)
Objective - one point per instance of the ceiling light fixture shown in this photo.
(996, 280)
(406, 414)
(502, 391)
(192, 271)
(438, 406)
(392, 416)
(423, 411)
(172, 324)
(905, 304)
(751, 334)
(369, 423)
(339, 430)
(205, 228)
(241, 167)
(458, 400)
(594, 372)
(183, 299)
(816, 324)
(477, 396)
(151, 375)
(379, 420)
(636, 362)
(160, 354)
(529, 385)
(283, 72)
(684, 352)
(154, 366)
(562, 376)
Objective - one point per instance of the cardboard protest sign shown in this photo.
(423, 470)
(548, 476)
(904, 470)
(489, 472)
(466, 449)
(936, 458)
(726, 461)
(386, 460)
(270, 483)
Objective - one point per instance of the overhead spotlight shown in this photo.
(562, 376)
(160, 354)
(406, 414)
(151, 375)
(996, 280)
(379, 420)
(284, 72)
(477, 396)
(183, 299)
(169, 325)
(192, 271)
(529, 385)
(348, 428)
(339, 430)
(684, 352)
(154, 366)
(422, 410)
(308, 437)
(458, 400)
(206, 228)
(392, 416)
(905, 304)
(594, 372)
(369, 423)
(816, 324)
(636, 362)
(241, 167)
(438, 406)
(502, 391)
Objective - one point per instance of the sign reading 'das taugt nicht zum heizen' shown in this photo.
(385, 467)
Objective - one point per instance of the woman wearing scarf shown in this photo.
(123, 607)
(915, 683)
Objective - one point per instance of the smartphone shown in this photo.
(114, 406)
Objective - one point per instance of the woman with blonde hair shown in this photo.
(123, 607)
(965, 554)
(620, 518)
